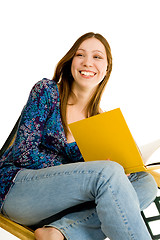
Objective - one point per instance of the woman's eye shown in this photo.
(79, 55)
(98, 57)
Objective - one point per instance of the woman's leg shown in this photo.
(145, 187)
(86, 221)
(80, 225)
(38, 194)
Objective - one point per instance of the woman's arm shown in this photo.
(26, 151)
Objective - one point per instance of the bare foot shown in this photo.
(48, 233)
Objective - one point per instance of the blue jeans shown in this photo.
(39, 194)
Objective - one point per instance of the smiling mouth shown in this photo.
(87, 73)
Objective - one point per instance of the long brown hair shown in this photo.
(64, 78)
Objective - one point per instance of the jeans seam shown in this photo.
(75, 223)
(122, 214)
(79, 221)
(55, 174)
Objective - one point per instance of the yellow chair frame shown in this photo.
(16, 229)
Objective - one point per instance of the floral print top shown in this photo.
(40, 141)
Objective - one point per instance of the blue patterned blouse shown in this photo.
(40, 140)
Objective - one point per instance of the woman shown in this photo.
(43, 173)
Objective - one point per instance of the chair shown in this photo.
(16, 229)
(26, 233)
(153, 219)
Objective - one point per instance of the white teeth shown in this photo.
(87, 73)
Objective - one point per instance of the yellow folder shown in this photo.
(106, 136)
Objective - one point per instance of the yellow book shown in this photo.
(106, 136)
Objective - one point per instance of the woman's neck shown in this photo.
(82, 97)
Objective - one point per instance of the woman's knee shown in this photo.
(150, 186)
(112, 167)
(145, 187)
(108, 169)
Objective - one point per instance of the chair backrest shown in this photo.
(152, 221)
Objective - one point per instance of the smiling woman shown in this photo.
(88, 68)
(43, 174)
(89, 62)
(90, 53)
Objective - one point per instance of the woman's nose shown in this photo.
(87, 61)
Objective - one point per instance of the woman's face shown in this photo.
(89, 64)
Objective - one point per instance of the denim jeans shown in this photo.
(38, 194)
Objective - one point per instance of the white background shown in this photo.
(35, 34)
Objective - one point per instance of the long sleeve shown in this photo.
(27, 150)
